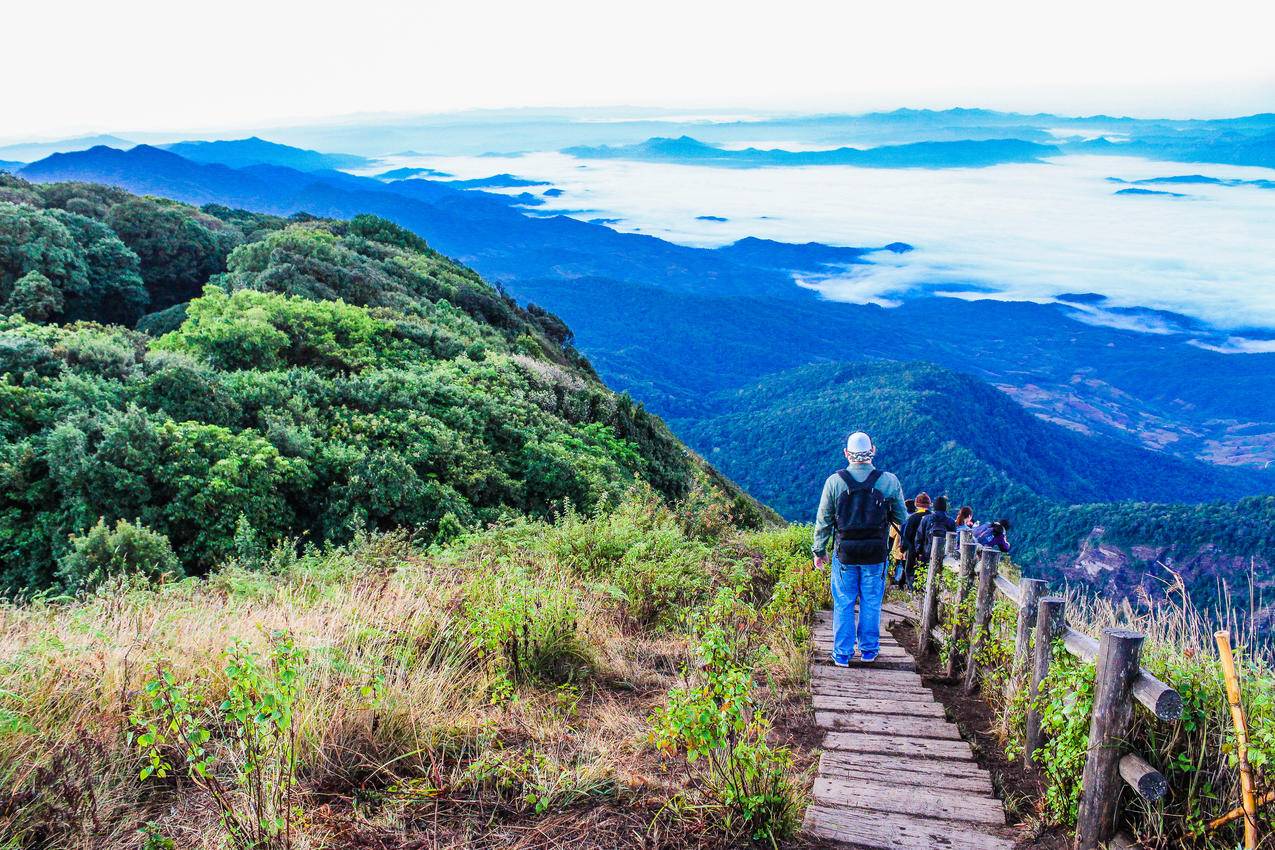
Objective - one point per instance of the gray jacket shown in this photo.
(888, 484)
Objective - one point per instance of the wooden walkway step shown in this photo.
(894, 774)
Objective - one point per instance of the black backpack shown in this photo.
(863, 523)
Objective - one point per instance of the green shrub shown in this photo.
(524, 623)
(126, 549)
(254, 788)
(712, 718)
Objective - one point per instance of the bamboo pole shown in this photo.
(1238, 812)
(1247, 802)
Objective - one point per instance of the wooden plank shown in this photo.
(885, 655)
(896, 831)
(825, 648)
(885, 724)
(940, 803)
(890, 770)
(865, 673)
(850, 687)
(908, 665)
(904, 696)
(861, 742)
(835, 761)
(877, 705)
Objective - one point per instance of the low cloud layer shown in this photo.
(1017, 232)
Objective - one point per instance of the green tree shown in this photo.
(126, 549)
(35, 297)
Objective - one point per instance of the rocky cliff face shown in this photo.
(1146, 571)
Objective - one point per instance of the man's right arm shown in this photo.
(823, 522)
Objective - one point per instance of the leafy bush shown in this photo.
(525, 624)
(124, 550)
(712, 719)
(254, 790)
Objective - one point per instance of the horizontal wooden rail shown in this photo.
(1157, 697)
(1143, 778)
(1119, 682)
(1006, 587)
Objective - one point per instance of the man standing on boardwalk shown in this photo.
(859, 503)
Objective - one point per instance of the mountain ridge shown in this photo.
(947, 154)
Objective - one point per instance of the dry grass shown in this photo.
(410, 733)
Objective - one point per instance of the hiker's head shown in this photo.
(859, 448)
(910, 504)
(964, 515)
(940, 504)
(1003, 523)
(922, 500)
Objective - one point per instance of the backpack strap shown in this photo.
(870, 481)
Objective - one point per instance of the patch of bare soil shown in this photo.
(1014, 783)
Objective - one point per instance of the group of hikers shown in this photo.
(863, 512)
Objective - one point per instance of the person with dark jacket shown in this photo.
(909, 538)
(935, 524)
(898, 554)
(993, 535)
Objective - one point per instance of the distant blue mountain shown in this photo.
(1231, 147)
(31, 151)
(958, 154)
(496, 181)
(240, 153)
(479, 228)
(1195, 179)
(1137, 191)
(710, 218)
(812, 256)
(405, 173)
(6, 165)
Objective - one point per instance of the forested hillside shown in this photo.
(939, 430)
(1085, 508)
(327, 377)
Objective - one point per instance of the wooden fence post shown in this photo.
(1029, 592)
(1117, 667)
(930, 602)
(964, 583)
(982, 614)
(1049, 624)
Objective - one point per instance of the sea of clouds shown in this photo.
(1017, 232)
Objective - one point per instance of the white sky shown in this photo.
(72, 66)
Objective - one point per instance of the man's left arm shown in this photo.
(898, 507)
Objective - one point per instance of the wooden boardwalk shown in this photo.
(894, 772)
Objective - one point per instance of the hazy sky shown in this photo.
(85, 65)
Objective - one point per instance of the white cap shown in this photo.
(859, 443)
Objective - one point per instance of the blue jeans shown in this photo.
(866, 583)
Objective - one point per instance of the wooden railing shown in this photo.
(1120, 680)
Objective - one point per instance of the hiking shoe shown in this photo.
(869, 657)
(839, 662)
